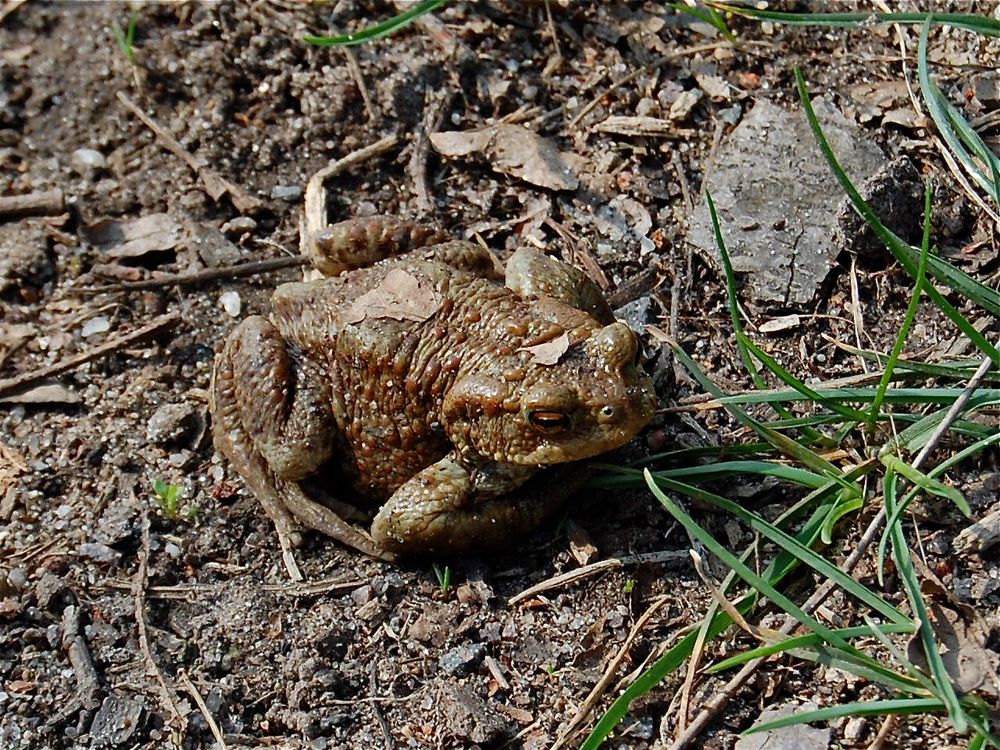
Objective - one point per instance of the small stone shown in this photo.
(95, 326)
(239, 226)
(636, 313)
(171, 423)
(17, 578)
(468, 717)
(172, 549)
(99, 552)
(115, 721)
(86, 161)
(231, 304)
(286, 193)
(463, 659)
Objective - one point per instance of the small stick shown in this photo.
(19, 381)
(374, 113)
(417, 167)
(215, 184)
(612, 563)
(197, 277)
(47, 203)
(209, 719)
(602, 685)
(167, 695)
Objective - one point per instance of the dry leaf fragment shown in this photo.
(548, 353)
(400, 296)
(47, 393)
(783, 323)
(135, 237)
(513, 150)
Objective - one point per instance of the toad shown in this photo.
(430, 381)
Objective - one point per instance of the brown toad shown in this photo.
(429, 384)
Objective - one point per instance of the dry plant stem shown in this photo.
(198, 277)
(47, 203)
(719, 700)
(433, 117)
(200, 702)
(888, 724)
(17, 382)
(588, 570)
(215, 184)
(980, 536)
(602, 685)
(167, 694)
(314, 218)
(374, 113)
(859, 321)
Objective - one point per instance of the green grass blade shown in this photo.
(969, 21)
(629, 477)
(926, 483)
(953, 127)
(911, 309)
(379, 30)
(803, 642)
(901, 250)
(864, 708)
(775, 535)
(908, 576)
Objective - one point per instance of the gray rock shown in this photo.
(463, 659)
(636, 313)
(171, 423)
(469, 717)
(115, 721)
(794, 737)
(778, 200)
(286, 193)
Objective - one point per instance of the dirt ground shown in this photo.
(127, 624)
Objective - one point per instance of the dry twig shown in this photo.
(47, 203)
(198, 277)
(215, 184)
(200, 702)
(598, 567)
(18, 382)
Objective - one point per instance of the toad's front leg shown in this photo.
(449, 508)
(272, 420)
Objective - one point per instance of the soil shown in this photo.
(129, 621)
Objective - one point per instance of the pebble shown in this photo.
(462, 659)
(86, 161)
(170, 423)
(96, 325)
(17, 578)
(239, 225)
(231, 304)
(99, 552)
(286, 192)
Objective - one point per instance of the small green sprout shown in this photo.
(168, 497)
(126, 41)
(443, 576)
(629, 585)
(550, 668)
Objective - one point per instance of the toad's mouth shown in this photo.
(559, 453)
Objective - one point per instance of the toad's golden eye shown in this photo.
(607, 413)
(549, 422)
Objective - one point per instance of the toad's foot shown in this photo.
(447, 508)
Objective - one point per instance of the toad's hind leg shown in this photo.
(361, 242)
(272, 422)
(440, 511)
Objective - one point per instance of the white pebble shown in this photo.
(231, 304)
(95, 326)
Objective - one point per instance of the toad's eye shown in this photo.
(549, 422)
(607, 413)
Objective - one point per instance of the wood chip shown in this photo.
(133, 238)
(784, 323)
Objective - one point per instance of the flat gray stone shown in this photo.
(778, 200)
